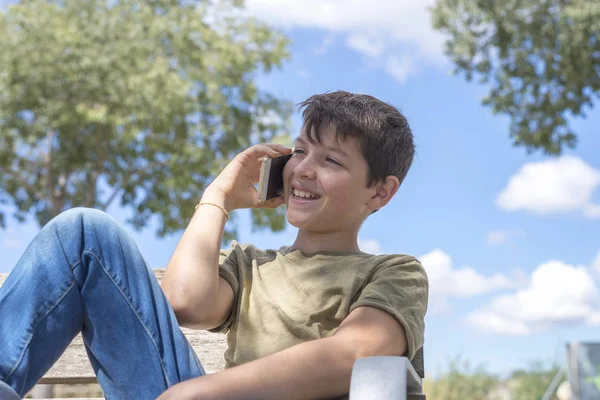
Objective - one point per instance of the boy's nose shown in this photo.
(305, 168)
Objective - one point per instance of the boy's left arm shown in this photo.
(316, 369)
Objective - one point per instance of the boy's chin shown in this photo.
(308, 224)
(293, 222)
(298, 221)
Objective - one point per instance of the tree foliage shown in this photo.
(533, 382)
(540, 57)
(461, 381)
(140, 101)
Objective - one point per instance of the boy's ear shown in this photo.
(384, 191)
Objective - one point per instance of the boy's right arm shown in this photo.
(200, 298)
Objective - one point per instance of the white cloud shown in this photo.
(327, 42)
(370, 46)
(10, 240)
(445, 281)
(303, 73)
(561, 185)
(370, 246)
(559, 294)
(397, 34)
(596, 265)
(498, 238)
(400, 67)
(11, 243)
(592, 210)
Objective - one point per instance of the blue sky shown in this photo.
(510, 240)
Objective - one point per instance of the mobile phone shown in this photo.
(270, 184)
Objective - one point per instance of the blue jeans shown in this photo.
(82, 273)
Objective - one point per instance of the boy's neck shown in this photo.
(313, 242)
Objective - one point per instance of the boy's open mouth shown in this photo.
(303, 195)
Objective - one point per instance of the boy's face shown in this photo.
(334, 173)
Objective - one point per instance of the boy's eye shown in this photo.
(328, 159)
(331, 160)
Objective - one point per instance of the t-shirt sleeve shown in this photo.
(228, 270)
(400, 288)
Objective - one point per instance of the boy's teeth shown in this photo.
(301, 193)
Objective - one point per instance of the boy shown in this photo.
(297, 318)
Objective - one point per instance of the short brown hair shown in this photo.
(383, 134)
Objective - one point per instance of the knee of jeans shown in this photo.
(78, 216)
(99, 230)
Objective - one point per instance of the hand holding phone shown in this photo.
(270, 184)
(235, 186)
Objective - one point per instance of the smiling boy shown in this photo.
(296, 318)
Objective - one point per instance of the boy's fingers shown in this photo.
(283, 149)
(269, 149)
(273, 203)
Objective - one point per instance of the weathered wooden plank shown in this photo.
(3, 278)
(74, 366)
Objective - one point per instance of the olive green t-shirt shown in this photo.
(285, 297)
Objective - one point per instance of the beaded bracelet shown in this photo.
(216, 205)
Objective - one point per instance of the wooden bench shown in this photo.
(74, 367)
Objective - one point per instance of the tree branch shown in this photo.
(58, 198)
(118, 188)
(49, 170)
(90, 197)
(143, 173)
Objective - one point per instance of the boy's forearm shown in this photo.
(317, 369)
(192, 275)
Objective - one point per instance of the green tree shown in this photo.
(532, 382)
(540, 57)
(462, 382)
(140, 101)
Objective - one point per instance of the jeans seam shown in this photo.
(59, 240)
(136, 314)
(62, 296)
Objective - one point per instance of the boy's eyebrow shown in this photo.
(330, 148)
